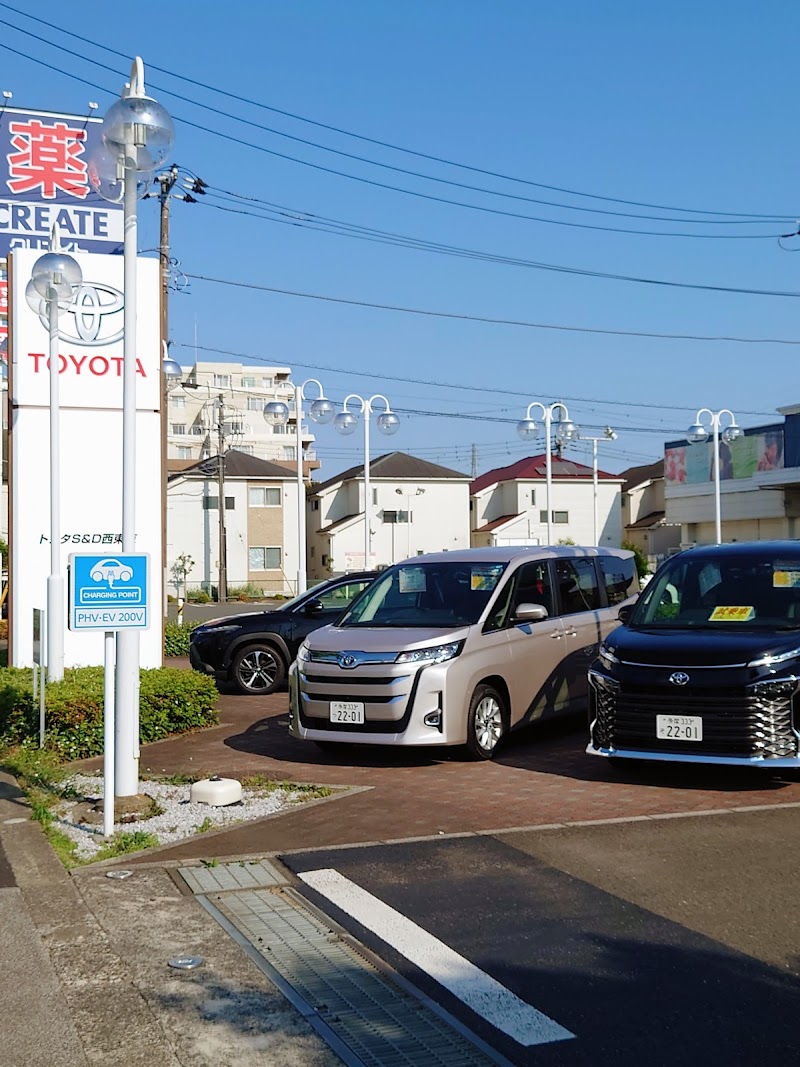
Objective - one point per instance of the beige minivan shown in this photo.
(459, 648)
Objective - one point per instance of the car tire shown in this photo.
(486, 722)
(258, 670)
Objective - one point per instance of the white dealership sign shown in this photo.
(91, 441)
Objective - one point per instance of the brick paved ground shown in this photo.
(542, 776)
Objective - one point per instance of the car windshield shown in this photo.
(729, 592)
(426, 594)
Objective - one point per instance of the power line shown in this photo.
(398, 148)
(483, 389)
(414, 192)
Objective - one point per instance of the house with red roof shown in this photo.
(509, 505)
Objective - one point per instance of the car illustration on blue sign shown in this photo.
(108, 592)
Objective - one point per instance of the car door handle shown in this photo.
(571, 633)
(557, 634)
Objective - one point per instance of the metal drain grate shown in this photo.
(259, 875)
(369, 1020)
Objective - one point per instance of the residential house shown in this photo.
(260, 525)
(414, 507)
(509, 505)
(644, 517)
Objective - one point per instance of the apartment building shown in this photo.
(193, 414)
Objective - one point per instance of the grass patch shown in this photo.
(204, 826)
(303, 790)
(122, 844)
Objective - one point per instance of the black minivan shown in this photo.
(706, 665)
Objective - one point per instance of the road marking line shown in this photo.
(474, 987)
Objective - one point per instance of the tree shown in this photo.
(181, 569)
(642, 566)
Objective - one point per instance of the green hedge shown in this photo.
(176, 638)
(171, 701)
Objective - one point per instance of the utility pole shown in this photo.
(222, 581)
(474, 462)
(166, 182)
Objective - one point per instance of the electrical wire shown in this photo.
(397, 148)
(415, 192)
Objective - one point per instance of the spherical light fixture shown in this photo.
(106, 172)
(731, 433)
(696, 434)
(172, 371)
(56, 275)
(388, 423)
(137, 127)
(345, 422)
(527, 428)
(276, 413)
(322, 411)
(566, 429)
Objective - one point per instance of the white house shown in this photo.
(644, 512)
(260, 525)
(508, 506)
(415, 507)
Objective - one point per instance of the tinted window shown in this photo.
(577, 585)
(342, 595)
(533, 586)
(619, 575)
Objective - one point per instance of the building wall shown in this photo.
(575, 497)
(265, 529)
(439, 520)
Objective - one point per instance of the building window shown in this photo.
(222, 381)
(184, 452)
(179, 428)
(289, 452)
(325, 560)
(178, 401)
(237, 427)
(211, 503)
(268, 383)
(374, 497)
(533, 498)
(262, 496)
(279, 428)
(315, 505)
(265, 559)
(561, 518)
(248, 383)
(197, 430)
(396, 516)
(254, 403)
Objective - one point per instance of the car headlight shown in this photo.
(781, 657)
(302, 652)
(606, 656)
(434, 654)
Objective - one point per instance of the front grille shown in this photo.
(748, 721)
(387, 697)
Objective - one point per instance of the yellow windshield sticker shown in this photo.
(785, 579)
(732, 613)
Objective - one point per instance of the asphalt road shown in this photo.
(670, 942)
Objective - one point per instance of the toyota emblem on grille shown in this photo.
(347, 659)
(679, 678)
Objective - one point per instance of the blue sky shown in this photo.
(668, 105)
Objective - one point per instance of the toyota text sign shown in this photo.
(44, 179)
(108, 592)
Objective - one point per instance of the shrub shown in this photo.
(3, 629)
(176, 638)
(171, 701)
(642, 566)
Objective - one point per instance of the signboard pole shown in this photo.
(44, 659)
(109, 644)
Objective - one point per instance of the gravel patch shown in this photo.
(179, 817)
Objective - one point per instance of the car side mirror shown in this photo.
(625, 613)
(313, 607)
(530, 613)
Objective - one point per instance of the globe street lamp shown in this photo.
(54, 278)
(698, 433)
(322, 412)
(138, 134)
(346, 422)
(554, 415)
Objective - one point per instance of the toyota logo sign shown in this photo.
(347, 659)
(94, 317)
(679, 678)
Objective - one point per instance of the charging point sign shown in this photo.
(108, 592)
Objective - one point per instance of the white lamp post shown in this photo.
(388, 423)
(322, 412)
(697, 434)
(54, 277)
(608, 435)
(553, 415)
(138, 135)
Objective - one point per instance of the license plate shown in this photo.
(679, 727)
(347, 711)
